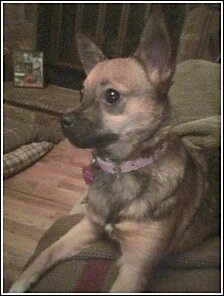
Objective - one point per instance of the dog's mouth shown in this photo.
(83, 133)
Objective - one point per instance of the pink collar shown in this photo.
(130, 165)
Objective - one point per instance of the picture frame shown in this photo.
(28, 69)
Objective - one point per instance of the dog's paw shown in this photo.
(19, 287)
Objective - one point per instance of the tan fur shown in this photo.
(141, 242)
(167, 206)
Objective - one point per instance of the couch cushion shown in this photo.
(195, 92)
(52, 99)
(23, 126)
(17, 160)
(196, 104)
(16, 134)
(19, 128)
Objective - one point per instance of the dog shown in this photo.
(150, 192)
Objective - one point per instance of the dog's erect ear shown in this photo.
(154, 49)
(89, 52)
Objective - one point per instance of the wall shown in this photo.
(200, 36)
(20, 31)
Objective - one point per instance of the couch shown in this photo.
(31, 126)
(195, 117)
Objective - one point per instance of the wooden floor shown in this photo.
(38, 196)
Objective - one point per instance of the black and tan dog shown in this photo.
(150, 193)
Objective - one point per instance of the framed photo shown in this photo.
(28, 69)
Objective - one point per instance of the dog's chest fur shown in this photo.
(140, 194)
(174, 184)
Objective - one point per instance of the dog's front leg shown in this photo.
(70, 244)
(143, 245)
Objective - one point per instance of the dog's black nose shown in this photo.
(66, 120)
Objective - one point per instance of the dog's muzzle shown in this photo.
(84, 133)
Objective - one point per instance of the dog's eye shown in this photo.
(112, 96)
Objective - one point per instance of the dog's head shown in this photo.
(124, 99)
